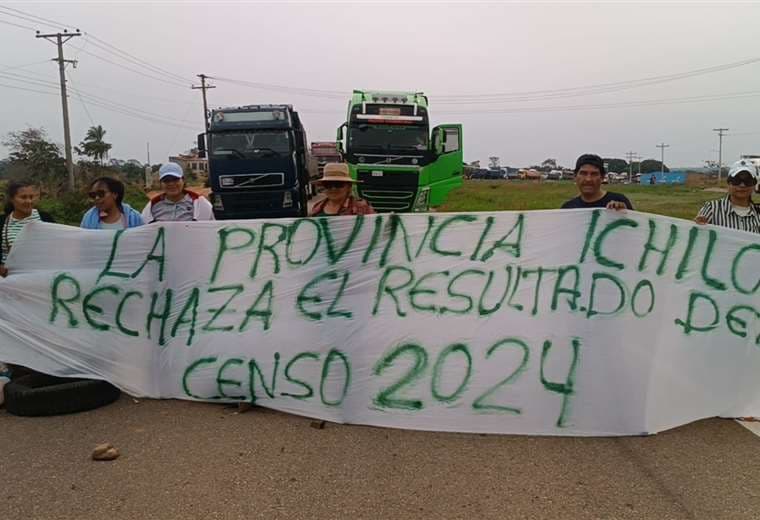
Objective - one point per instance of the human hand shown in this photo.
(3, 271)
(701, 220)
(616, 205)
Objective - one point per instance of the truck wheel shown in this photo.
(37, 395)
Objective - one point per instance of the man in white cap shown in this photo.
(736, 210)
(176, 203)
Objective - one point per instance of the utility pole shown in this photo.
(720, 149)
(59, 39)
(204, 88)
(630, 156)
(662, 147)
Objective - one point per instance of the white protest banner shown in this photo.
(550, 322)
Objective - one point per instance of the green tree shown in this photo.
(94, 145)
(651, 166)
(616, 165)
(35, 157)
(549, 164)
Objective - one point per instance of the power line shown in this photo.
(17, 25)
(627, 104)
(22, 79)
(98, 42)
(79, 95)
(616, 85)
(95, 98)
(44, 21)
(33, 76)
(134, 59)
(163, 80)
(519, 96)
(25, 65)
(29, 89)
(27, 19)
(328, 94)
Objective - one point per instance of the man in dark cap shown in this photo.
(589, 174)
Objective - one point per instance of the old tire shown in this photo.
(38, 395)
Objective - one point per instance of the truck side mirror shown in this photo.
(438, 140)
(339, 138)
(202, 145)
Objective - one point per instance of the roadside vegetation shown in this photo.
(476, 195)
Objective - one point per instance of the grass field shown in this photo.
(476, 195)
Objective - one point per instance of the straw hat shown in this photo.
(336, 172)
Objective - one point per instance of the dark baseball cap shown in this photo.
(592, 160)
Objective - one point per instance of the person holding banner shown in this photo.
(736, 210)
(110, 211)
(589, 174)
(20, 197)
(339, 199)
(176, 203)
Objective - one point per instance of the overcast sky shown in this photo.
(449, 51)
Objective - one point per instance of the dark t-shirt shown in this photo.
(578, 202)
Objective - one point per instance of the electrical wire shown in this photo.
(514, 97)
(163, 80)
(44, 21)
(3, 85)
(106, 104)
(134, 59)
(23, 77)
(17, 25)
(628, 104)
(81, 100)
(99, 43)
(13, 67)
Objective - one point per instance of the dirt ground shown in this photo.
(190, 460)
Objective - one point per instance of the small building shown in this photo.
(191, 163)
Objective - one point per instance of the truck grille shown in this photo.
(251, 180)
(389, 200)
(388, 190)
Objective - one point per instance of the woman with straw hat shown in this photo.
(339, 199)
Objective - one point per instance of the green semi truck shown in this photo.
(388, 145)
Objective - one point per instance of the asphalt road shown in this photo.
(191, 460)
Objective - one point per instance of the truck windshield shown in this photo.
(249, 145)
(396, 138)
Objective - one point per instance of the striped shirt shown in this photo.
(11, 228)
(721, 212)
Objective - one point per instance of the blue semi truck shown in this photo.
(258, 160)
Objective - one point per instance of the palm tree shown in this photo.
(93, 144)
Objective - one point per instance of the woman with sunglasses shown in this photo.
(110, 211)
(736, 210)
(339, 200)
(20, 199)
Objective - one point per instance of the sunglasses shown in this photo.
(743, 181)
(98, 194)
(334, 184)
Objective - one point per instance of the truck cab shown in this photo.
(389, 147)
(258, 162)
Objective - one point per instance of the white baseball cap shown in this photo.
(743, 166)
(170, 170)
